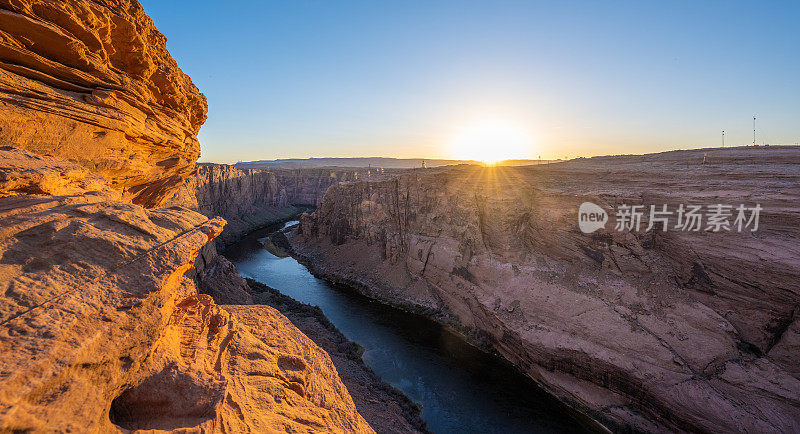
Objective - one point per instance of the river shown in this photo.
(461, 389)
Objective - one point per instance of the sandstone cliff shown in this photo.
(92, 82)
(102, 328)
(650, 331)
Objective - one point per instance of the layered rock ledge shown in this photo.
(92, 82)
(102, 326)
(649, 331)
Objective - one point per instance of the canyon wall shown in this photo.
(246, 199)
(308, 186)
(675, 330)
(92, 82)
(253, 198)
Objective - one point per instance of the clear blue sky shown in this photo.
(402, 78)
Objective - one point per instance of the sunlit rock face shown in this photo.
(679, 330)
(92, 82)
(102, 327)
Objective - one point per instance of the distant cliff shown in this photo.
(92, 82)
(378, 164)
(651, 331)
(252, 198)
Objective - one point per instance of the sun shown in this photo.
(491, 142)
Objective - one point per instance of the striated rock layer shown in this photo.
(102, 328)
(92, 82)
(651, 331)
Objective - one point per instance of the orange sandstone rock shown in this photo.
(93, 82)
(25, 173)
(101, 325)
(101, 329)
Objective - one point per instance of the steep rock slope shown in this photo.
(92, 82)
(648, 330)
(102, 329)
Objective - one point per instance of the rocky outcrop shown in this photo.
(92, 82)
(250, 199)
(646, 330)
(102, 327)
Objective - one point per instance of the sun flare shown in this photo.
(491, 142)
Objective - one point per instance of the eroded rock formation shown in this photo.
(92, 82)
(652, 330)
(102, 327)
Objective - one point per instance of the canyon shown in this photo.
(120, 310)
(646, 331)
(103, 326)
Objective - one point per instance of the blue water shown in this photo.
(461, 389)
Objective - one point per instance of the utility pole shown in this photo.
(723, 138)
(754, 130)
